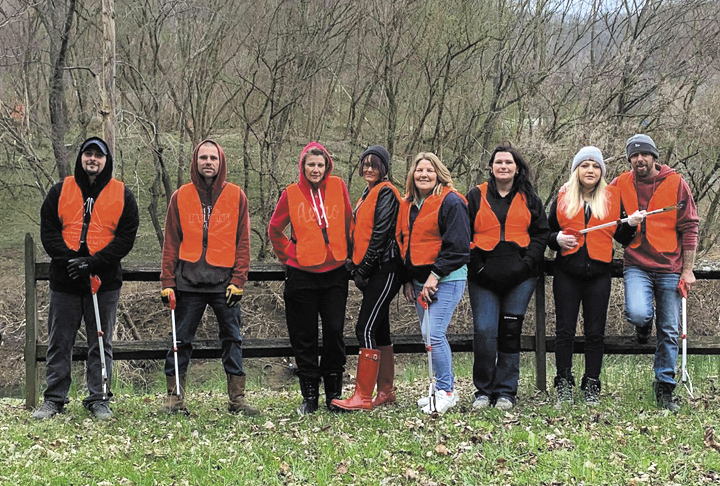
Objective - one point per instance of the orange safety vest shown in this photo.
(222, 227)
(488, 231)
(364, 220)
(660, 229)
(310, 247)
(426, 237)
(599, 242)
(106, 213)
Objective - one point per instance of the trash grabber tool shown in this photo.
(175, 342)
(94, 286)
(425, 331)
(685, 376)
(679, 205)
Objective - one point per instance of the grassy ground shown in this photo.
(626, 440)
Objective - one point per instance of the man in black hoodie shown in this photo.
(88, 223)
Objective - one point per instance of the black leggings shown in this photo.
(594, 294)
(373, 326)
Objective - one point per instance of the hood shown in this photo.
(198, 179)
(303, 180)
(103, 178)
(382, 153)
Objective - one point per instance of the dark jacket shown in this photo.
(579, 264)
(507, 265)
(383, 251)
(455, 246)
(106, 262)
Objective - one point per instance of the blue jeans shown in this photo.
(496, 374)
(440, 313)
(66, 313)
(188, 313)
(640, 287)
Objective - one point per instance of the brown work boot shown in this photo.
(236, 396)
(173, 402)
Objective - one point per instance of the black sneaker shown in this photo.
(100, 410)
(642, 334)
(48, 410)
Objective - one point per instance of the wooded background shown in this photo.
(267, 76)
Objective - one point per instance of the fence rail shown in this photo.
(539, 343)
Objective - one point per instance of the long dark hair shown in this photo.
(521, 182)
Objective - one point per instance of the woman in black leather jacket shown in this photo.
(374, 266)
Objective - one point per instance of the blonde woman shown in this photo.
(582, 267)
(434, 238)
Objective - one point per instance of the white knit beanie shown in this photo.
(588, 153)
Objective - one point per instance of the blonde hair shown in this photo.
(573, 200)
(444, 178)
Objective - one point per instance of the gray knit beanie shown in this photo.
(641, 144)
(588, 153)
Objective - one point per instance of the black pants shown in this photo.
(594, 294)
(307, 296)
(373, 326)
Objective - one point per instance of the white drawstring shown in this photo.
(320, 218)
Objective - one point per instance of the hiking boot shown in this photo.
(100, 410)
(481, 402)
(592, 388)
(664, 396)
(236, 396)
(504, 403)
(642, 334)
(564, 384)
(48, 410)
(443, 401)
(174, 403)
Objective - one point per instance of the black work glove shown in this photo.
(350, 266)
(361, 282)
(79, 268)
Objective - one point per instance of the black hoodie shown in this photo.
(106, 262)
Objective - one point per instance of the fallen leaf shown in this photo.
(709, 439)
(411, 475)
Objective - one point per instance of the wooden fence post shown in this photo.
(540, 331)
(31, 381)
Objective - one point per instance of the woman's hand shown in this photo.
(636, 218)
(567, 241)
(430, 288)
(409, 292)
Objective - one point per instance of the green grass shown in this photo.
(626, 440)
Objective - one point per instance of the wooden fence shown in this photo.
(539, 343)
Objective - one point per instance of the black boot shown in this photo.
(333, 389)
(591, 387)
(310, 389)
(564, 383)
(664, 396)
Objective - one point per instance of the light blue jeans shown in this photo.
(440, 312)
(640, 287)
(496, 374)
